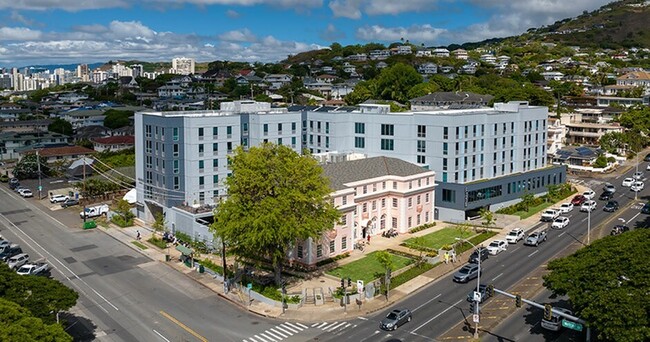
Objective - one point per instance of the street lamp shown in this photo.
(478, 286)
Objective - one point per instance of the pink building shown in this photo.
(373, 195)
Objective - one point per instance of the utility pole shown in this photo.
(40, 186)
(84, 187)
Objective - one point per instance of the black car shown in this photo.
(10, 251)
(611, 206)
(619, 229)
(482, 289)
(647, 157)
(606, 196)
(395, 318)
(13, 185)
(69, 202)
(482, 251)
(646, 208)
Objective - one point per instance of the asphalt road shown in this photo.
(124, 296)
(442, 304)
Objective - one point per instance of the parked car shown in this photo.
(4, 178)
(13, 181)
(628, 182)
(535, 238)
(395, 318)
(611, 206)
(609, 187)
(647, 157)
(606, 196)
(578, 200)
(19, 188)
(10, 251)
(588, 206)
(555, 324)
(58, 198)
(13, 186)
(550, 215)
(4, 243)
(69, 202)
(647, 168)
(560, 222)
(482, 289)
(646, 208)
(637, 186)
(17, 260)
(589, 194)
(497, 246)
(638, 175)
(515, 235)
(37, 268)
(482, 252)
(27, 193)
(466, 273)
(566, 208)
(619, 229)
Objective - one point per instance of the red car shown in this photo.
(578, 200)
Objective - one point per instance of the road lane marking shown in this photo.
(375, 333)
(500, 274)
(362, 318)
(436, 316)
(561, 234)
(533, 253)
(161, 336)
(427, 302)
(185, 327)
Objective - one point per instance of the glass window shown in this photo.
(215, 147)
(175, 134)
(387, 129)
(332, 245)
(359, 142)
(200, 132)
(215, 131)
(229, 130)
(387, 144)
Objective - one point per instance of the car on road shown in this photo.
(549, 215)
(637, 186)
(535, 238)
(69, 202)
(26, 193)
(566, 208)
(609, 188)
(466, 273)
(497, 246)
(515, 235)
(638, 175)
(482, 252)
(17, 260)
(395, 318)
(588, 206)
(482, 289)
(619, 229)
(627, 182)
(555, 324)
(560, 222)
(589, 194)
(606, 196)
(646, 208)
(58, 198)
(578, 200)
(611, 206)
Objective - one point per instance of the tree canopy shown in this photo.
(17, 324)
(117, 118)
(59, 125)
(27, 167)
(276, 198)
(608, 284)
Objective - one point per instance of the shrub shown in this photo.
(407, 275)
(422, 227)
(119, 220)
(157, 242)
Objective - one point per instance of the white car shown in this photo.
(26, 193)
(637, 186)
(58, 198)
(589, 194)
(18, 260)
(515, 235)
(588, 206)
(566, 208)
(560, 222)
(496, 247)
(638, 175)
(628, 182)
(647, 167)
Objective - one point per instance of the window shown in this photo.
(229, 146)
(422, 131)
(279, 128)
(319, 251)
(215, 147)
(175, 134)
(327, 127)
(176, 150)
(394, 202)
(383, 203)
(332, 245)
(359, 128)
(201, 165)
(293, 141)
(345, 200)
(410, 202)
(374, 205)
(410, 221)
(394, 185)
(176, 183)
(364, 208)
(293, 127)
(418, 200)
(448, 196)
(201, 181)
(387, 144)
(344, 243)
(215, 131)
(445, 133)
(387, 129)
(244, 127)
(229, 131)
(421, 159)
(359, 142)
(200, 132)
(215, 179)
(394, 222)
(175, 166)
(201, 148)
(344, 220)
(445, 148)
(266, 129)
(299, 252)
(426, 198)
(215, 163)
(422, 146)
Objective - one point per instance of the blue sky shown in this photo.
(86, 31)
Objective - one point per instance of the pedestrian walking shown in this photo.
(446, 257)
(368, 239)
(453, 255)
(138, 235)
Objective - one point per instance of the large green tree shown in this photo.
(117, 118)
(395, 82)
(608, 284)
(276, 198)
(59, 125)
(17, 324)
(27, 167)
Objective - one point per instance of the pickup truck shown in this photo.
(550, 215)
(95, 211)
(38, 268)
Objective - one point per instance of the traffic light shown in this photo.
(342, 283)
(472, 306)
(548, 312)
(490, 290)
(349, 282)
(518, 301)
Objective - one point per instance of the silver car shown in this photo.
(466, 273)
(535, 238)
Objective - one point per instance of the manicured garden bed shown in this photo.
(368, 267)
(437, 239)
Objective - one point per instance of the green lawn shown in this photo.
(366, 267)
(442, 237)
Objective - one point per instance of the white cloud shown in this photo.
(331, 33)
(244, 35)
(76, 5)
(416, 33)
(232, 14)
(120, 29)
(354, 9)
(19, 33)
(19, 18)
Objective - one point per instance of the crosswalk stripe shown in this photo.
(259, 338)
(301, 325)
(279, 333)
(294, 326)
(315, 324)
(267, 337)
(332, 328)
(320, 325)
(324, 327)
(268, 332)
(289, 328)
(284, 330)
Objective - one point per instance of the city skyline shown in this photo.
(67, 32)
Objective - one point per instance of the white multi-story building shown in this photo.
(183, 66)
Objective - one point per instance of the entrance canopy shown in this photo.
(184, 250)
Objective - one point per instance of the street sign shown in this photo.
(249, 286)
(477, 296)
(571, 325)
(475, 318)
(40, 188)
